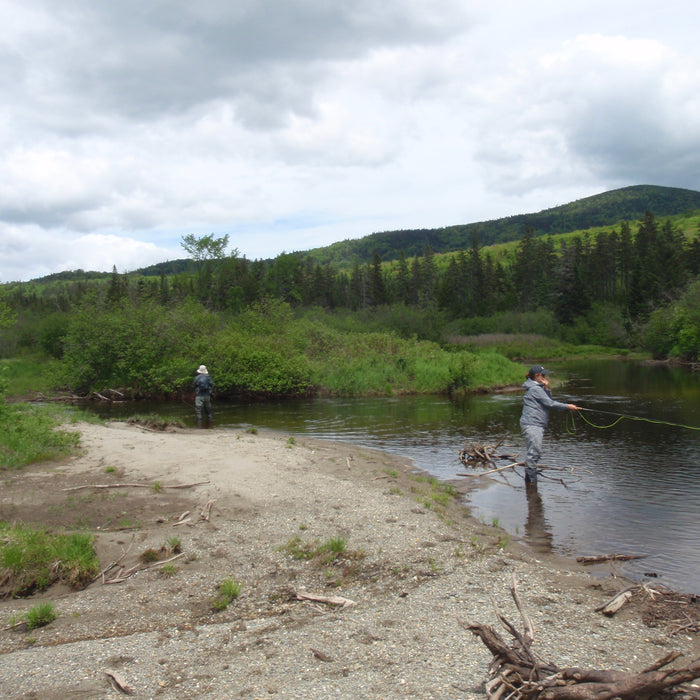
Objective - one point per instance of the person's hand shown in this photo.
(573, 407)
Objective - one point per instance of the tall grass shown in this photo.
(30, 434)
(31, 374)
(33, 559)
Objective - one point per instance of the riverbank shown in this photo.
(287, 517)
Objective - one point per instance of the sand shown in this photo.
(253, 507)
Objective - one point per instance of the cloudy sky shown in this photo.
(291, 124)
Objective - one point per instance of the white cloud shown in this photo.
(292, 125)
(45, 251)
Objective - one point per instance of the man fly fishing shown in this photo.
(537, 403)
(202, 395)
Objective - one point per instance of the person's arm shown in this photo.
(545, 397)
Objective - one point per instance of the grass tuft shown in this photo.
(40, 615)
(228, 591)
(33, 559)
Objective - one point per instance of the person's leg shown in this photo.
(533, 436)
(198, 409)
(207, 408)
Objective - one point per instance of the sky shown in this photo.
(292, 124)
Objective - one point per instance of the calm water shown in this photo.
(635, 488)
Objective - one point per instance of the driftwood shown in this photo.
(123, 576)
(598, 558)
(16, 625)
(118, 683)
(136, 485)
(104, 571)
(480, 454)
(338, 601)
(497, 469)
(518, 674)
(616, 602)
(206, 511)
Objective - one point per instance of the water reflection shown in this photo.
(538, 533)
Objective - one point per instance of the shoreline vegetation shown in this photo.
(32, 388)
(288, 358)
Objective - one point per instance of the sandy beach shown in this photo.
(380, 620)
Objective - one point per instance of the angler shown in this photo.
(537, 403)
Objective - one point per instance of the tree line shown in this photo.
(586, 283)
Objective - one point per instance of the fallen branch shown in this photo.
(128, 485)
(21, 623)
(118, 683)
(517, 674)
(120, 578)
(474, 453)
(329, 600)
(598, 558)
(114, 563)
(498, 469)
(182, 522)
(206, 511)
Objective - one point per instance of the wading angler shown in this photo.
(203, 386)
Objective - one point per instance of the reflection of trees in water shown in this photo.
(537, 531)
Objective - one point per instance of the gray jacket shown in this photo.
(537, 403)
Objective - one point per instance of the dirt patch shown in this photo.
(57, 499)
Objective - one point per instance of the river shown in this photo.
(630, 485)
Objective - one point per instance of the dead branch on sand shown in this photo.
(114, 563)
(121, 577)
(155, 485)
(118, 683)
(517, 673)
(338, 601)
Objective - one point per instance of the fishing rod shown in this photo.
(623, 416)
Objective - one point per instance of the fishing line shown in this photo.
(621, 417)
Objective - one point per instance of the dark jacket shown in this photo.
(202, 385)
(537, 403)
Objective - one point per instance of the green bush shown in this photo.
(150, 350)
(659, 335)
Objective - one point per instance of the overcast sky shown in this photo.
(292, 124)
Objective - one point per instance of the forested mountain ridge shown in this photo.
(606, 209)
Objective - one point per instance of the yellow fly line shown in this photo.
(620, 417)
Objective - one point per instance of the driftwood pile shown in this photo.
(479, 454)
(517, 673)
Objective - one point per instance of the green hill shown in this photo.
(606, 209)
